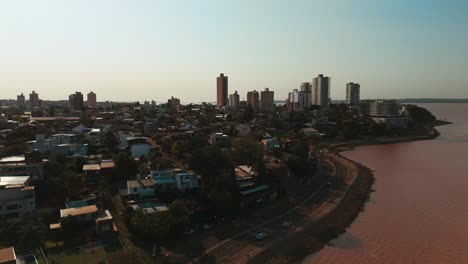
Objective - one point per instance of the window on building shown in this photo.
(105, 227)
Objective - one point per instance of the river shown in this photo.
(419, 210)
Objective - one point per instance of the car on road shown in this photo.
(286, 224)
(260, 236)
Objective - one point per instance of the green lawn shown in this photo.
(93, 256)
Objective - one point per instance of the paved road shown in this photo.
(243, 246)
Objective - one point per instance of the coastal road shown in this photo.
(242, 247)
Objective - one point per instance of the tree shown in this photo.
(248, 114)
(181, 217)
(110, 140)
(72, 183)
(217, 186)
(126, 165)
(420, 115)
(247, 151)
(179, 148)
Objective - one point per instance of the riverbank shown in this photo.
(315, 233)
(321, 226)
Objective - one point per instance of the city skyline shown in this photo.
(393, 49)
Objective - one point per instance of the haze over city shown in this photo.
(143, 50)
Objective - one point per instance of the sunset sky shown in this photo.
(144, 50)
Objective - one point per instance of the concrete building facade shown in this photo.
(253, 100)
(267, 100)
(321, 91)
(234, 102)
(222, 90)
(91, 101)
(353, 94)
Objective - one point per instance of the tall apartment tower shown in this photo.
(76, 101)
(306, 88)
(321, 91)
(222, 90)
(253, 100)
(21, 101)
(267, 100)
(234, 102)
(353, 93)
(91, 101)
(33, 100)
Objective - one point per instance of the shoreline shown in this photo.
(315, 235)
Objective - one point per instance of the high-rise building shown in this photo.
(76, 101)
(222, 90)
(234, 104)
(353, 93)
(306, 88)
(174, 102)
(21, 101)
(253, 100)
(379, 108)
(297, 100)
(33, 100)
(267, 100)
(321, 91)
(91, 101)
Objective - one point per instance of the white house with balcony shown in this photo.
(141, 187)
(16, 197)
(185, 180)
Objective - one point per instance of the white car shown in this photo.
(260, 236)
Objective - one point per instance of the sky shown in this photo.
(128, 50)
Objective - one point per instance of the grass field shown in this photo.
(78, 256)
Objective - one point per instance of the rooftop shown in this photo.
(107, 164)
(106, 215)
(144, 182)
(13, 180)
(91, 167)
(7, 254)
(78, 211)
(18, 158)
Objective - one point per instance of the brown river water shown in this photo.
(419, 210)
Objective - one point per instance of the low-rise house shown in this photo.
(29, 164)
(141, 188)
(94, 136)
(219, 139)
(7, 255)
(69, 149)
(141, 150)
(92, 173)
(185, 180)
(270, 144)
(80, 214)
(105, 226)
(67, 144)
(149, 207)
(170, 179)
(17, 198)
(250, 192)
(164, 179)
(103, 221)
(396, 121)
(108, 169)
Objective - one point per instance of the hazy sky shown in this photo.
(138, 50)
